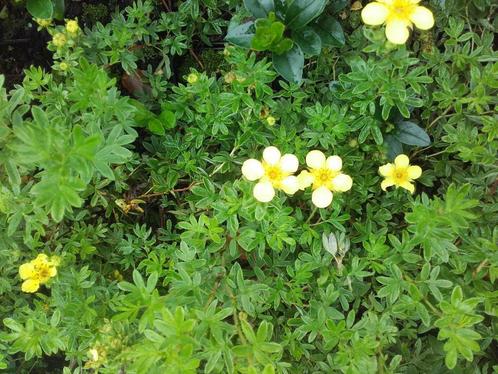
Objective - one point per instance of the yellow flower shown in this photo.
(274, 172)
(72, 26)
(400, 174)
(325, 177)
(63, 66)
(192, 78)
(43, 22)
(271, 120)
(59, 40)
(398, 15)
(37, 272)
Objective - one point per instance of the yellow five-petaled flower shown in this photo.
(274, 172)
(400, 174)
(37, 272)
(325, 177)
(398, 15)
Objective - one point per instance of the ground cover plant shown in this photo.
(257, 186)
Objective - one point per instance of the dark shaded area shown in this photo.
(22, 45)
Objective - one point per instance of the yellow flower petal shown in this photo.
(342, 183)
(289, 163)
(386, 170)
(397, 31)
(388, 182)
(334, 163)
(414, 172)
(52, 271)
(263, 191)
(305, 179)
(42, 258)
(27, 270)
(374, 14)
(422, 18)
(30, 285)
(252, 169)
(271, 155)
(290, 185)
(407, 186)
(322, 197)
(402, 161)
(315, 159)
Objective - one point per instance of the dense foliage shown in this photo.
(130, 242)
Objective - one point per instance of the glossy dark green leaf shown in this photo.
(241, 35)
(309, 41)
(290, 64)
(40, 8)
(301, 12)
(411, 134)
(59, 9)
(393, 147)
(330, 31)
(259, 8)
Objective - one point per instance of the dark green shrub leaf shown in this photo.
(330, 31)
(241, 35)
(40, 8)
(259, 8)
(290, 64)
(411, 134)
(394, 147)
(308, 40)
(301, 12)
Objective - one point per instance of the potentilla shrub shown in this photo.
(257, 187)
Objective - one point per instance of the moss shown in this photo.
(213, 61)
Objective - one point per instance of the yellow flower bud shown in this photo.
(59, 40)
(271, 120)
(43, 22)
(63, 66)
(192, 78)
(72, 27)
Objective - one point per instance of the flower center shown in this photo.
(400, 175)
(401, 9)
(274, 174)
(323, 177)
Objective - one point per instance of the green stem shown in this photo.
(313, 212)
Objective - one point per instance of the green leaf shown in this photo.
(156, 127)
(309, 41)
(40, 8)
(259, 8)
(241, 35)
(411, 134)
(290, 64)
(394, 146)
(59, 8)
(301, 12)
(168, 119)
(330, 31)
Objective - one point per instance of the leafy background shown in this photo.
(206, 279)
